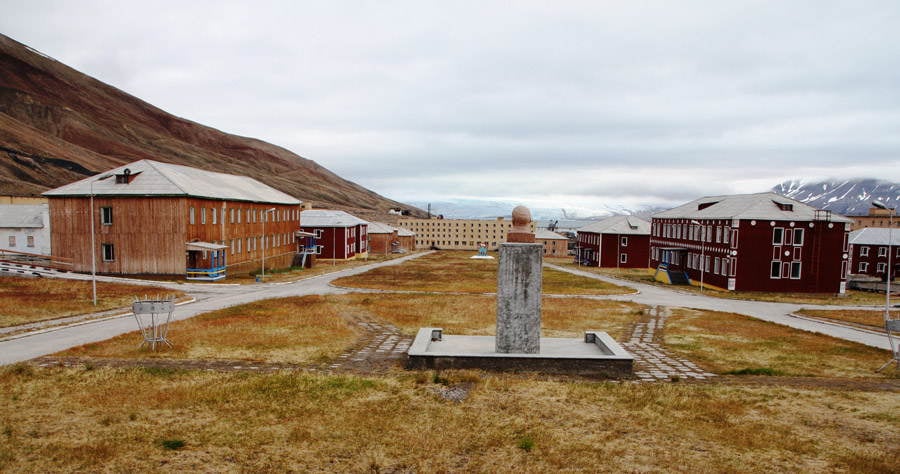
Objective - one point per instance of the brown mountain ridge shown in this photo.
(58, 125)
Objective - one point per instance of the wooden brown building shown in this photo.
(158, 218)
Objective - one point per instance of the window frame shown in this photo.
(108, 252)
(106, 215)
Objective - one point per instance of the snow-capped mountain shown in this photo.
(848, 197)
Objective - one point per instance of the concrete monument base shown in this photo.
(597, 355)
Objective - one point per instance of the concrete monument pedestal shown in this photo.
(518, 345)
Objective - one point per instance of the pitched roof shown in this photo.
(380, 228)
(544, 234)
(328, 218)
(403, 232)
(875, 236)
(629, 225)
(763, 206)
(18, 216)
(153, 178)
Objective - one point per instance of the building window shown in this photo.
(864, 251)
(795, 270)
(863, 267)
(191, 218)
(880, 268)
(239, 241)
(214, 213)
(844, 270)
(882, 251)
(108, 252)
(203, 215)
(716, 265)
(798, 236)
(12, 240)
(29, 241)
(231, 215)
(623, 258)
(778, 236)
(725, 234)
(776, 269)
(106, 215)
(624, 242)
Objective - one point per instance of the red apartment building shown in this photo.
(751, 242)
(869, 251)
(340, 236)
(615, 242)
(158, 218)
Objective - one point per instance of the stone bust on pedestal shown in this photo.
(521, 226)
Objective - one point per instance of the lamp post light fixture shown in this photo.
(93, 244)
(702, 252)
(265, 240)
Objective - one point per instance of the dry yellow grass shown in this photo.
(857, 316)
(26, 300)
(476, 315)
(121, 420)
(725, 342)
(642, 275)
(289, 330)
(448, 271)
(315, 328)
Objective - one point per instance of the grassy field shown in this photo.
(871, 318)
(312, 329)
(127, 420)
(456, 272)
(26, 300)
(642, 275)
(290, 330)
(731, 343)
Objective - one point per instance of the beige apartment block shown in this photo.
(458, 234)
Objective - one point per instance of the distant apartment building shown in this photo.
(158, 218)
(555, 245)
(25, 228)
(870, 248)
(615, 242)
(875, 218)
(458, 234)
(339, 235)
(751, 242)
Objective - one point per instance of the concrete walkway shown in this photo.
(779, 313)
(208, 297)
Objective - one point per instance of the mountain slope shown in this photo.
(849, 197)
(58, 125)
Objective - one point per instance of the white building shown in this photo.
(25, 228)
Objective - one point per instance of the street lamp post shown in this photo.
(889, 272)
(702, 252)
(93, 244)
(265, 240)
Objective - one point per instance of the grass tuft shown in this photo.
(755, 371)
(172, 444)
(526, 443)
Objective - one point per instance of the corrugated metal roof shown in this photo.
(762, 206)
(402, 232)
(153, 178)
(628, 225)
(875, 236)
(18, 216)
(380, 228)
(204, 246)
(544, 234)
(328, 218)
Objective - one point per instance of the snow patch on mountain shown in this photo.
(851, 197)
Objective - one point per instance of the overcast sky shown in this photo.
(555, 104)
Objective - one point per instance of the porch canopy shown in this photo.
(205, 261)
